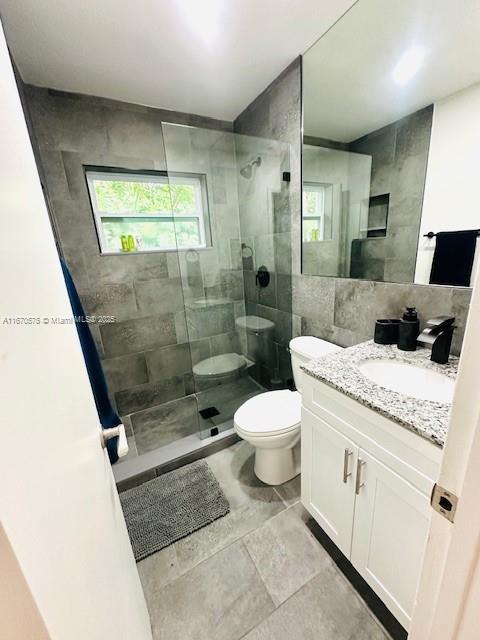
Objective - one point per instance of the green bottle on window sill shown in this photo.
(131, 243)
(124, 242)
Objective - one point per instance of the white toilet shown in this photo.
(271, 421)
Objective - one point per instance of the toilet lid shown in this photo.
(309, 347)
(270, 413)
(254, 323)
(220, 365)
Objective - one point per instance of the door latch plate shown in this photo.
(444, 502)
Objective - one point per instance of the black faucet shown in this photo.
(438, 336)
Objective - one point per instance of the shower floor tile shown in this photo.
(226, 398)
(257, 573)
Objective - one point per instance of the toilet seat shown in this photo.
(269, 414)
(220, 366)
(254, 324)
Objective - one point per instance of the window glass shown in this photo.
(148, 212)
(313, 212)
(313, 200)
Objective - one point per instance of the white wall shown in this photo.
(452, 186)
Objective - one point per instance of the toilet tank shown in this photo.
(305, 348)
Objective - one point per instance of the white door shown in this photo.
(449, 590)
(329, 461)
(389, 534)
(62, 530)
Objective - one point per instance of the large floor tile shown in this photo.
(158, 570)
(290, 491)
(233, 468)
(221, 599)
(286, 554)
(251, 504)
(207, 541)
(326, 608)
(256, 574)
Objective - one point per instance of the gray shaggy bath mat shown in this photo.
(172, 506)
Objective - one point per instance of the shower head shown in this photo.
(247, 170)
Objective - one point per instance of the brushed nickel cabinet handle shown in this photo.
(358, 482)
(346, 458)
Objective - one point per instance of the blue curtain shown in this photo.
(107, 415)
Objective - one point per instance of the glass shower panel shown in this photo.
(148, 365)
(211, 274)
(234, 346)
(331, 233)
(265, 211)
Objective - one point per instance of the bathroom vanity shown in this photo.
(370, 457)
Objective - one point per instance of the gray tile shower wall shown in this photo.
(336, 309)
(145, 352)
(399, 154)
(274, 115)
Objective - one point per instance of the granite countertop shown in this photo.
(340, 370)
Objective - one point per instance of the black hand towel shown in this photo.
(453, 257)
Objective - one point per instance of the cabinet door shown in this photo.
(389, 534)
(328, 477)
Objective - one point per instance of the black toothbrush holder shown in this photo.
(386, 331)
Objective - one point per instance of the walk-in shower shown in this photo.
(162, 231)
(232, 336)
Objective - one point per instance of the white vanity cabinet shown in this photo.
(327, 478)
(367, 481)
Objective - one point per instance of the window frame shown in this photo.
(316, 187)
(202, 215)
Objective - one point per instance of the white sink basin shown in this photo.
(409, 380)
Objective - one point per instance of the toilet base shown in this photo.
(277, 466)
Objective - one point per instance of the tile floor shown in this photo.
(258, 573)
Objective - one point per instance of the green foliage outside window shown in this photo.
(126, 196)
(310, 203)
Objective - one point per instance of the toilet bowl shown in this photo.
(220, 369)
(271, 421)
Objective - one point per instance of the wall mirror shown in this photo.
(391, 144)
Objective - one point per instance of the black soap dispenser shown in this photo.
(408, 330)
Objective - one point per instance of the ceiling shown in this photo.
(209, 57)
(349, 88)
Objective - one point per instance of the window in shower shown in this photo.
(148, 210)
(317, 211)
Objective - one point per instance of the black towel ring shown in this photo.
(245, 250)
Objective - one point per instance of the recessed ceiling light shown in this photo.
(204, 17)
(408, 65)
